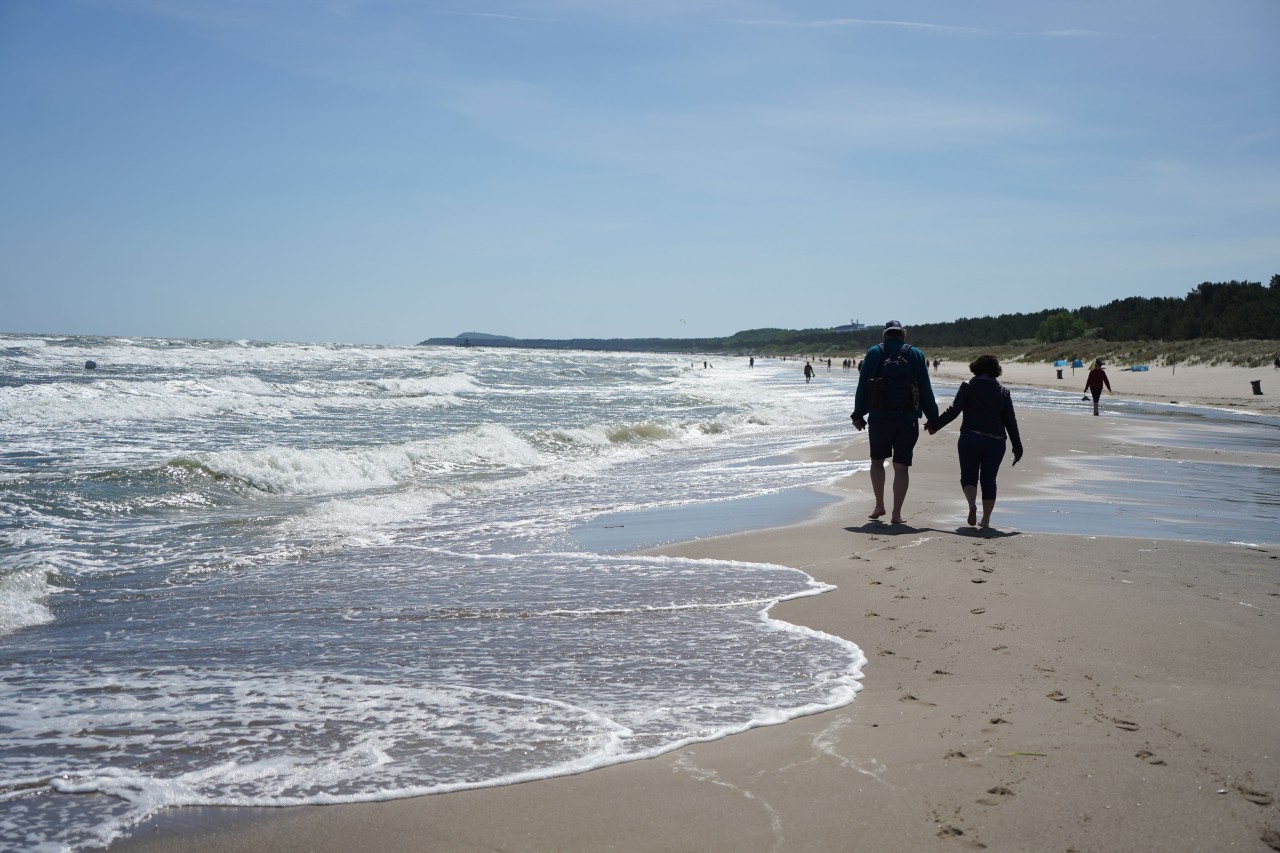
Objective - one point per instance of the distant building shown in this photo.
(854, 326)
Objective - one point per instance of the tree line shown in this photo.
(1232, 310)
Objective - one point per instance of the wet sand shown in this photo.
(1024, 691)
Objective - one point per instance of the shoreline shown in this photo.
(1023, 691)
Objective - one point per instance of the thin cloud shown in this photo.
(1073, 34)
(498, 15)
(937, 29)
(923, 27)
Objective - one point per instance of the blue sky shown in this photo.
(381, 171)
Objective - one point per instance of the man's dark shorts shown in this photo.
(893, 437)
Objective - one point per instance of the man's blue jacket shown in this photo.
(871, 370)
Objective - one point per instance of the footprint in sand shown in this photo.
(1271, 838)
(1000, 792)
(1149, 757)
(1127, 725)
(1058, 696)
(978, 611)
(1261, 798)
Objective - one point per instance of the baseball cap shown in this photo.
(892, 324)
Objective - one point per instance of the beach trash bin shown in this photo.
(1059, 373)
(1257, 386)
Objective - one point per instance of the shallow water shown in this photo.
(1157, 498)
(241, 573)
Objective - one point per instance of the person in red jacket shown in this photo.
(1093, 385)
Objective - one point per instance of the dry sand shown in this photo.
(1202, 385)
(1024, 692)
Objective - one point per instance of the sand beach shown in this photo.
(1093, 691)
(1198, 384)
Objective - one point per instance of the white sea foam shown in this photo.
(24, 596)
(426, 386)
(251, 385)
(319, 471)
(117, 401)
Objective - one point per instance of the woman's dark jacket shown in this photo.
(987, 409)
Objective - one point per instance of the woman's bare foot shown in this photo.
(973, 516)
(985, 524)
(898, 521)
(878, 512)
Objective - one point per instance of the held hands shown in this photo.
(931, 427)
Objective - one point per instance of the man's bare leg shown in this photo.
(987, 506)
(901, 480)
(877, 487)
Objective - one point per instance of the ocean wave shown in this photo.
(644, 431)
(121, 401)
(316, 471)
(425, 386)
(251, 385)
(24, 599)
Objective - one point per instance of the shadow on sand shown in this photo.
(886, 529)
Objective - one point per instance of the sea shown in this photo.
(263, 574)
(240, 573)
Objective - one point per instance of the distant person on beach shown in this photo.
(1093, 385)
(808, 372)
(988, 419)
(752, 362)
(894, 390)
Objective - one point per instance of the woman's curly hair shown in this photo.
(986, 364)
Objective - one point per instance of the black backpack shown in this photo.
(895, 389)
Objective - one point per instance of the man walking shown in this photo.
(894, 389)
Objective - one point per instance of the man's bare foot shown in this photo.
(985, 524)
(878, 512)
(898, 521)
(973, 516)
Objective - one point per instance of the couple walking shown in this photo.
(894, 390)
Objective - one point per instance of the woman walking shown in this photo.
(1093, 385)
(988, 421)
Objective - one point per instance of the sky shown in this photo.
(383, 171)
